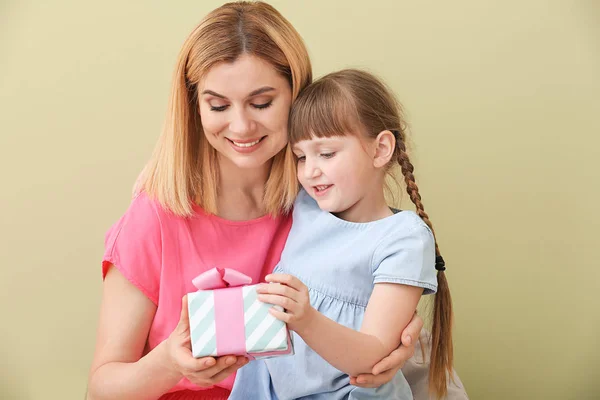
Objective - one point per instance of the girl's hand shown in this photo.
(292, 295)
(384, 370)
(206, 371)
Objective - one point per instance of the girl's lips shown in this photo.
(321, 190)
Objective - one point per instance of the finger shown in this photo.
(365, 385)
(201, 364)
(207, 361)
(277, 300)
(184, 321)
(372, 381)
(280, 315)
(211, 376)
(285, 279)
(382, 365)
(412, 331)
(221, 364)
(395, 360)
(364, 381)
(191, 364)
(207, 366)
(280, 290)
(230, 370)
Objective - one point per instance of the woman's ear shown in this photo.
(385, 143)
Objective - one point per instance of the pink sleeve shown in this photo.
(134, 246)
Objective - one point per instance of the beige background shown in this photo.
(503, 102)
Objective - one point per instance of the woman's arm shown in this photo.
(118, 369)
(389, 311)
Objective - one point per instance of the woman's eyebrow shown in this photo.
(256, 92)
(214, 94)
(261, 90)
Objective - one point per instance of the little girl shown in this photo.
(353, 269)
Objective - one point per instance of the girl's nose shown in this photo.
(311, 170)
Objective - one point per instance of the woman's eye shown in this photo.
(218, 108)
(327, 155)
(263, 105)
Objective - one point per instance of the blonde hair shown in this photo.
(353, 102)
(183, 168)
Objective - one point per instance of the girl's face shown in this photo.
(244, 109)
(338, 172)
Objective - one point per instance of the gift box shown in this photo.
(226, 318)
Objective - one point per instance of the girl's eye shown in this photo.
(301, 158)
(263, 106)
(218, 108)
(327, 155)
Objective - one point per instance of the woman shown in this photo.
(217, 191)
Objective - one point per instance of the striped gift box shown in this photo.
(242, 326)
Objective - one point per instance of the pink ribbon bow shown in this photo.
(218, 278)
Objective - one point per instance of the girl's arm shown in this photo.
(118, 369)
(386, 369)
(390, 309)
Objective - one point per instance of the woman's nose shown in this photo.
(241, 123)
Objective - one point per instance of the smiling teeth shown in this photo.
(321, 188)
(246, 144)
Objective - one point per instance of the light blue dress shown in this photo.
(340, 262)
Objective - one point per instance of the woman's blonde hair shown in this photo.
(183, 168)
(353, 102)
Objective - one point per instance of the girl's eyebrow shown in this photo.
(256, 92)
(316, 143)
(324, 141)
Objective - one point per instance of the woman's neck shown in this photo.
(241, 191)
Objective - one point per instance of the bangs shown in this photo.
(324, 109)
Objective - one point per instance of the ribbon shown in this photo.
(229, 307)
(219, 278)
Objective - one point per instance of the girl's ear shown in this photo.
(385, 143)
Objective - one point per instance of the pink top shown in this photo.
(161, 253)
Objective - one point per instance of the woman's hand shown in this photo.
(206, 371)
(384, 370)
(292, 295)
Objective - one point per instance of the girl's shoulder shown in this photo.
(404, 222)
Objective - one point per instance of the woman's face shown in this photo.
(244, 108)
